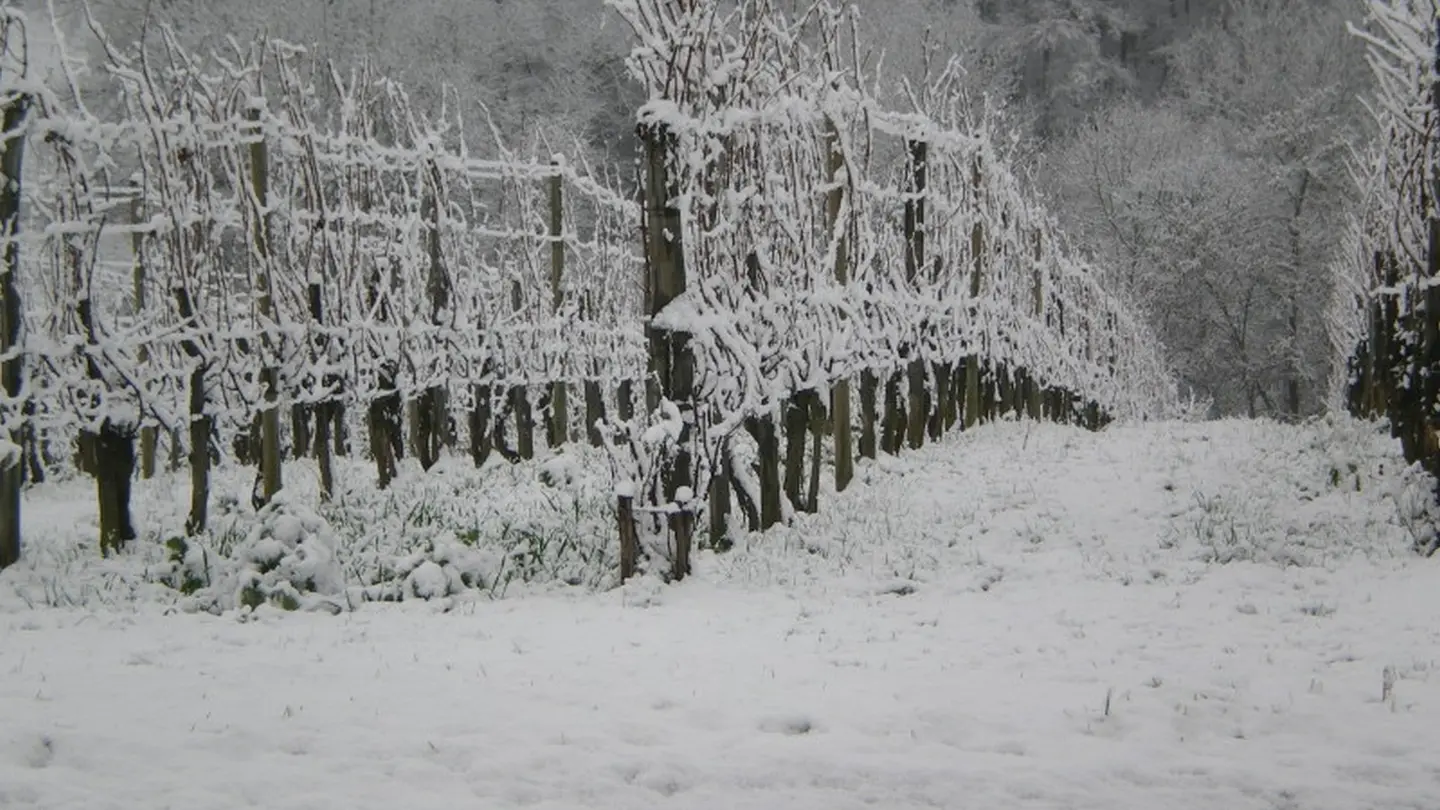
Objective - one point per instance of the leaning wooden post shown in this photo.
(559, 409)
(270, 461)
(977, 254)
(670, 360)
(12, 368)
(919, 408)
(840, 395)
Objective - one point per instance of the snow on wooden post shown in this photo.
(919, 394)
(671, 364)
(12, 367)
(559, 420)
(270, 459)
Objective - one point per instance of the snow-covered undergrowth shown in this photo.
(1310, 495)
(453, 531)
(1132, 503)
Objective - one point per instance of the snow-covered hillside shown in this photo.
(1223, 615)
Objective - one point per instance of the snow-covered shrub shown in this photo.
(286, 558)
(452, 531)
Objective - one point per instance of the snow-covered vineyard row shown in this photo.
(304, 239)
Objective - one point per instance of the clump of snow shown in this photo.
(428, 581)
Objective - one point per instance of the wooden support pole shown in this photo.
(559, 419)
(840, 396)
(977, 254)
(270, 455)
(918, 408)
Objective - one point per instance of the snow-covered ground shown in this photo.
(1027, 616)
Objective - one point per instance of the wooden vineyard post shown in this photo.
(671, 364)
(324, 411)
(481, 443)
(767, 448)
(892, 423)
(977, 254)
(629, 542)
(12, 368)
(869, 387)
(594, 395)
(200, 422)
(797, 424)
(720, 487)
(520, 396)
(142, 355)
(763, 429)
(559, 420)
(431, 409)
(1032, 384)
(270, 460)
(840, 395)
(919, 394)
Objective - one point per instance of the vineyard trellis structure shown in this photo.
(303, 253)
(1385, 312)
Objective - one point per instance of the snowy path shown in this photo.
(1051, 578)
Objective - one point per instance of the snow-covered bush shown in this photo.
(286, 557)
(450, 532)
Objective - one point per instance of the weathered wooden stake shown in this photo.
(148, 436)
(919, 391)
(977, 253)
(840, 396)
(1032, 385)
(559, 422)
(200, 422)
(270, 455)
(671, 365)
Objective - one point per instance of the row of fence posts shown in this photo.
(907, 415)
(110, 453)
